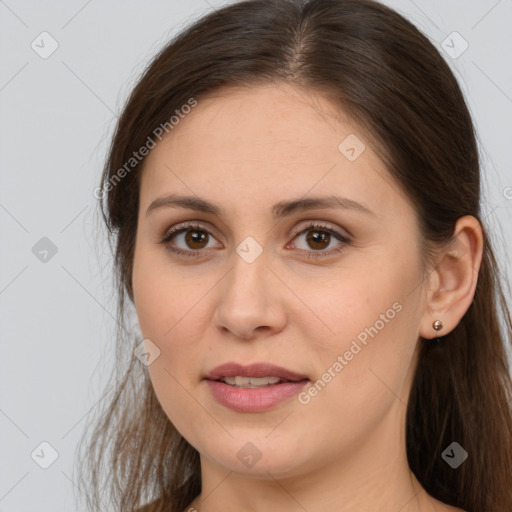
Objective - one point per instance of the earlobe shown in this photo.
(452, 282)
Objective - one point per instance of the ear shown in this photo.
(452, 283)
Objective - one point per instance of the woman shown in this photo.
(293, 191)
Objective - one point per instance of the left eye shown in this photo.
(319, 237)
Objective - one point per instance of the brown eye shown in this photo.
(188, 240)
(319, 238)
(317, 241)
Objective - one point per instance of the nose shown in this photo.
(250, 301)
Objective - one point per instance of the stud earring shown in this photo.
(437, 325)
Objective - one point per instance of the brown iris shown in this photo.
(196, 237)
(318, 237)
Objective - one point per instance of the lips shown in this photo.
(258, 398)
(257, 370)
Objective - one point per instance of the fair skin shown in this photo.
(246, 150)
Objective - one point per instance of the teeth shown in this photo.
(251, 382)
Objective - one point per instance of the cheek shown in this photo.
(370, 311)
(163, 297)
(364, 367)
(172, 311)
(361, 376)
(165, 305)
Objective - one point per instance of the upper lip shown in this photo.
(253, 370)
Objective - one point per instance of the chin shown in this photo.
(260, 458)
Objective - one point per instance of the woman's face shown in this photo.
(339, 304)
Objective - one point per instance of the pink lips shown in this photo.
(253, 399)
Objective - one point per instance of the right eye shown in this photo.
(192, 237)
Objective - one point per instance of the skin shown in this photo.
(246, 149)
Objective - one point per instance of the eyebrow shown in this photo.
(279, 210)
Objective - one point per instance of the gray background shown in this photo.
(57, 115)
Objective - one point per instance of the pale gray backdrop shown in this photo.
(66, 69)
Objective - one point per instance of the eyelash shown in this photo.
(311, 254)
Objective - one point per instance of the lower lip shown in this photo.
(253, 399)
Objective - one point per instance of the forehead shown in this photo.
(264, 122)
(264, 142)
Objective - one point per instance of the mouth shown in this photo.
(254, 382)
(255, 375)
(254, 388)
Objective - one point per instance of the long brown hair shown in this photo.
(386, 74)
